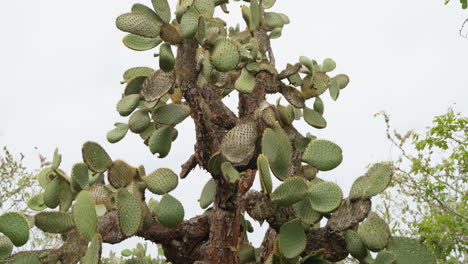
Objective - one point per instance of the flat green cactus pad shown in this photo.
(374, 232)
(277, 148)
(54, 222)
(57, 159)
(132, 73)
(170, 211)
(225, 55)
(229, 172)
(246, 82)
(51, 198)
(214, 164)
(293, 190)
(95, 157)
(265, 176)
(140, 43)
(358, 187)
(166, 58)
(325, 197)
(238, 145)
(118, 133)
(314, 118)
(316, 85)
(138, 24)
(121, 174)
(409, 250)
(376, 179)
(171, 114)
(162, 9)
(160, 141)
(128, 104)
(318, 105)
(130, 212)
(26, 259)
(80, 174)
(93, 253)
(208, 194)
(306, 213)
(157, 85)
(161, 181)
(189, 23)
(328, 65)
(84, 215)
(246, 253)
(134, 85)
(15, 227)
(205, 7)
(293, 96)
(323, 155)
(342, 80)
(354, 245)
(385, 257)
(6, 247)
(292, 239)
(139, 121)
(36, 202)
(268, 3)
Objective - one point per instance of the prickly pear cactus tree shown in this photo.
(201, 61)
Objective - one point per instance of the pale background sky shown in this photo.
(61, 63)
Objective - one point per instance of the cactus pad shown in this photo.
(93, 253)
(229, 172)
(130, 212)
(121, 174)
(292, 239)
(161, 181)
(293, 96)
(6, 247)
(157, 85)
(314, 118)
(304, 211)
(385, 257)
(171, 114)
(80, 174)
(325, 197)
(139, 121)
(54, 222)
(208, 194)
(246, 82)
(354, 245)
(323, 155)
(84, 215)
(26, 259)
(15, 227)
(238, 145)
(277, 148)
(138, 24)
(118, 133)
(205, 7)
(166, 58)
(225, 55)
(128, 104)
(328, 65)
(409, 251)
(170, 211)
(95, 157)
(318, 105)
(374, 232)
(161, 141)
(51, 198)
(140, 43)
(162, 9)
(36, 202)
(265, 176)
(293, 190)
(378, 177)
(189, 23)
(342, 80)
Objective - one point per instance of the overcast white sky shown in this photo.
(61, 63)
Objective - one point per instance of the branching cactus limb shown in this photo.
(201, 62)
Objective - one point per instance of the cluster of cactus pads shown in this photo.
(226, 59)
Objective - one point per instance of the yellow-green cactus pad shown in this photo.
(208, 194)
(293, 96)
(318, 105)
(84, 215)
(80, 174)
(130, 212)
(162, 9)
(309, 172)
(285, 114)
(171, 114)
(65, 195)
(161, 181)
(246, 82)
(132, 73)
(374, 232)
(385, 257)
(189, 23)
(354, 245)
(246, 253)
(277, 148)
(93, 253)
(36, 202)
(313, 87)
(265, 176)
(255, 15)
(134, 85)
(118, 133)
(328, 65)
(139, 121)
(157, 85)
(152, 205)
(205, 7)
(15, 227)
(161, 141)
(95, 157)
(378, 178)
(128, 104)
(342, 80)
(138, 24)
(409, 250)
(308, 63)
(306, 213)
(57, 159)
(121, 174)
(166, 58)
(325, 197)
(292, 239)
(291, 191)
(358, 188)
(229, 172)
(51, 197)
(225, 55)
(238, 145)
(54, 222)
(323, 155)
(273, 20)
(268, 3)
(45, 176)
(6, 247)
(314, 118)
(26, 259)
(214, 164)
(170, 212)
(148, 12)
(140, 43)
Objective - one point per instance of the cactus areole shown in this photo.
(201, 61)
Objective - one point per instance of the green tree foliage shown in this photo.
(464, 3)
(201, 61)
(429, 194)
